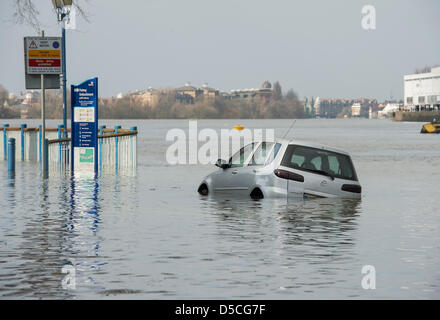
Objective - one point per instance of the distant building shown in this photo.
(422, 91)
(388, 110)
(149, 97)
(188, 93)
(31, 97)
(209, 93)
(264, 93)
(338, 107)
(316, 107)
(356, 109)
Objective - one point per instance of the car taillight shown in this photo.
(352, 188)
(283, 174)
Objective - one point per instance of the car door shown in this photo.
(238, 176)
(242, 175)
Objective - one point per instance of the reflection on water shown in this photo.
(321, 230)
(324, 222)
(60, 226)
(294, 244)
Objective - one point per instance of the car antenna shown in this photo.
(291, 126)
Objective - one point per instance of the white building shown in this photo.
(316, 106)
(422, 91)
(31, 97)
(388, 110)
(356, 109)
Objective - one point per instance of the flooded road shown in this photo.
(147, 234)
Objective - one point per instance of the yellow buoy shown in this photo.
(430, 128)
(238, 127)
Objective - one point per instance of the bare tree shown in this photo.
(27, 13)
(291, 95)
(277, 93)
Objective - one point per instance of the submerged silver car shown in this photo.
(285, 168)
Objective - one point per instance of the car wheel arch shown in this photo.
(203, 189)
(256, 193)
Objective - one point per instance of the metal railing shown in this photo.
(28, 141)
(117, 148)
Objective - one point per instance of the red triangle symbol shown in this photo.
(33, 45)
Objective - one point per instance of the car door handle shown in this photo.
(234, 172)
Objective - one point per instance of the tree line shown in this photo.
(167, 107)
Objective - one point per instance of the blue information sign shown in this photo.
(84, 126)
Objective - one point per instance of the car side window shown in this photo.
(333, 163)
(238, 159)
(261, 154)
(297, 160)
(317, 162)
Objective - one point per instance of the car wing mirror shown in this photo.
(222, 164)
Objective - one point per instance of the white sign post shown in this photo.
(42, 57)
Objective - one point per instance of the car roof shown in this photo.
(311, 145)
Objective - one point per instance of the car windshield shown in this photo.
(261, 154)
(319, 161)
(274, 152)
(239, 158)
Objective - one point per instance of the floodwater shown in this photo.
(149, 235)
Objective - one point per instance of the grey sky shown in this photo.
(318, 48)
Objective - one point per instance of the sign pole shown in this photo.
(63, 61)
(43, 120)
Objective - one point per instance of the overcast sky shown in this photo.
(318, 48)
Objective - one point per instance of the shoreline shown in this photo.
(419, 116)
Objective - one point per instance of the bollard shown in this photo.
(46, 154)
(11, 154)
(22, 127)
(5, 142)
(117, 147)
(60, 131)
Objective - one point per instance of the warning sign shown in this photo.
(33, 45)
(42, 55)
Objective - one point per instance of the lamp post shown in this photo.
(59, 5)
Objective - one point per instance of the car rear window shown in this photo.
(319, 161)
